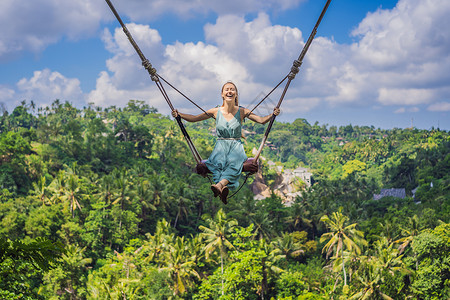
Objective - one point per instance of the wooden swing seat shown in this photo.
(249, 167)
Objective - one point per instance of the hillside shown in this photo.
(102, 203)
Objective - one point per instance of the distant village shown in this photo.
(287, 185)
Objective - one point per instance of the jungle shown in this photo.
(103, 203)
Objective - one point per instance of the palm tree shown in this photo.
(122, 191)
(196, 250)
(122, 187)
(41, 190)
(145, 196)
(180, 265)
(67, 277)
(371, 285)
(105, 185)
(386, 261)
(183, 199)
(388, 230)
(263, 224)
(166, 143)
(244, 210)
(297, 215)
(103, 205)
(56, 187)
(125, 285)
(340, 237)
(216, 235)
(160, 189)
(158, 243)
(389, 258)
(72, 192)
(413, 229)
(269, 263)
(287, 246)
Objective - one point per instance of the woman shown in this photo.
(228, 156)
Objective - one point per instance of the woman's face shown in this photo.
(229, 92)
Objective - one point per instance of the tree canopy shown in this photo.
(102, 203)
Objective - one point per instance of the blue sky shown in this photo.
(382, 63)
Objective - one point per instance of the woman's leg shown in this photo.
(225, 190)
(224, 182)
(221, 189)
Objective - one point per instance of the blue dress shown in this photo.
(228, 156)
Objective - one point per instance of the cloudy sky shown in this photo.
(384, 63)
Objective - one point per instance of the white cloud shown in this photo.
(6, 93)
(404, 96)
(439, 107)
(399, 60)
(258, 45)
(404, 53)
(46, 86)
(6, 98)
(296, 106)
(412, 32)
(200, 69)
(147, 10)
(108, 94)
(126, 78)
(401, 57)
(403, 110)
(126, 64)
(33, 25)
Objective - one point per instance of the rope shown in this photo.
(294, 70)
(267, 96)
(156, 78)
(211, 116)
(240, 187)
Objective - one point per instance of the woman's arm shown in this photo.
(258, 119)
(191, 118)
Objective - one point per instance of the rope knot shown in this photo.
(297, 63)
(146, 63)
(295, 69)
(293, 72)
(148, 66)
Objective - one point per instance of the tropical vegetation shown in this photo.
(102, 203)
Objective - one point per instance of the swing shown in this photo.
(251, 165)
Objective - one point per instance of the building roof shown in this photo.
(397, 193)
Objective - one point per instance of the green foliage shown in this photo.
(290, 284)
(249, 275)
(116, 187)
(13, 169)
(41, 253)
(68, 279)
(22, 261)
(353, 166)
(244, 277)
(433, 256)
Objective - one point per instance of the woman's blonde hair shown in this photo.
(236, 100)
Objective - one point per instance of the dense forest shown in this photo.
(103, 203)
